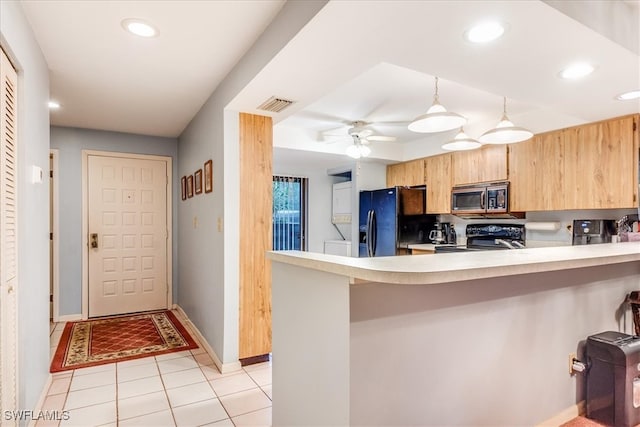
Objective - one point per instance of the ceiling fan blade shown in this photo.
(381, 138)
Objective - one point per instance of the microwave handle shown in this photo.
(482, 201)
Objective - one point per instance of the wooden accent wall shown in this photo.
(256, 199)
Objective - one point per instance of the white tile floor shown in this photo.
(175, 389)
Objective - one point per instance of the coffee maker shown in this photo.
(593, 231)
(442, 233)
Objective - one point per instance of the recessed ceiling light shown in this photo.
(634, 94)
(139, 28)
(485, 32)
(54, 105)
(577, 71)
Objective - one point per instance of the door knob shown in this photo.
(93, 240)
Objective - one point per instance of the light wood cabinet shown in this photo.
(406, 174)
(437, 172)
(593, 166)
(256, 201)
(486, 164)
(599, 167)
(536, 173)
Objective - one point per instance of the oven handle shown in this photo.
(482, 201)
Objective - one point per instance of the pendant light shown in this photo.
(461, 142)
(505, 132)
(358, 149)
(437, 118)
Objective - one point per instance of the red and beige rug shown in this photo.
(115, 339)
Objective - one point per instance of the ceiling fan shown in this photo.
(359, 131)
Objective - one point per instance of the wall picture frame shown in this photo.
(197, 181)
(190, 186)
(208, 176)
(183, 182)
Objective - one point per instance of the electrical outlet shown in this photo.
(572, 357)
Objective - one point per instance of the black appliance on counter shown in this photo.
(613, 385)
(593, 231)
(392, 218)
(489, 237)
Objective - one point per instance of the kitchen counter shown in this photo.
(410, 340)
(452, 267)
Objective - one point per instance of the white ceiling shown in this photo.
(355, 60)
(106, 78)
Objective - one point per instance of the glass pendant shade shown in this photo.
(505, 132)
(461, 142)
(437, 118)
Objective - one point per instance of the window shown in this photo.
(289, 213)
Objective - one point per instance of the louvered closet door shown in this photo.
(8, 237)
(128, 218)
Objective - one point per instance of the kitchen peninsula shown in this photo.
(478, 338)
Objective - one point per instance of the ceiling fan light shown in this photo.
(461, 142)
(364, 151)
(353, 151)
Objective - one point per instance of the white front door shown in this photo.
(127, 218)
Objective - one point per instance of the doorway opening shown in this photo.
(290, 213)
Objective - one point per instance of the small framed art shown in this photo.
(190, 186)
(208, 176)
(183, 181)
(198, 181)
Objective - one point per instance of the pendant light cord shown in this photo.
(436, 100)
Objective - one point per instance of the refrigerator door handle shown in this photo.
(374, 233)
(369, 236)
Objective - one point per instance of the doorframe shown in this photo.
(85, 220)
(56, 231)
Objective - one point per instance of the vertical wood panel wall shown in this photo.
(256, 153)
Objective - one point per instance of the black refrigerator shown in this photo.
(391, 218)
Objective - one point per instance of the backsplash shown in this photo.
(536, 238)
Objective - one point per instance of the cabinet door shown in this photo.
(406, 174)
(488, 163)
(536, 169)
(437, 171)
(600, 167)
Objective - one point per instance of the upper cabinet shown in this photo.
(488, 163)
(593, 166)
(437, 172)
(406, 174)
(601, 165)
(536, 172)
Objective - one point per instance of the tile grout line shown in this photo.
(164, 387)
(214, 391)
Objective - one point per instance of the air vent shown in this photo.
(275, 104)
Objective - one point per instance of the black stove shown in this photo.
(490, 237)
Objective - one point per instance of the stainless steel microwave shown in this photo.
(480, 199)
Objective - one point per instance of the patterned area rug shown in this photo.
(114, 339)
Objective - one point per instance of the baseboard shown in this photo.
(41, 399)
(69, 318)
(222, 367)
(566, 415)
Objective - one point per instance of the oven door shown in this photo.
(469, 200)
